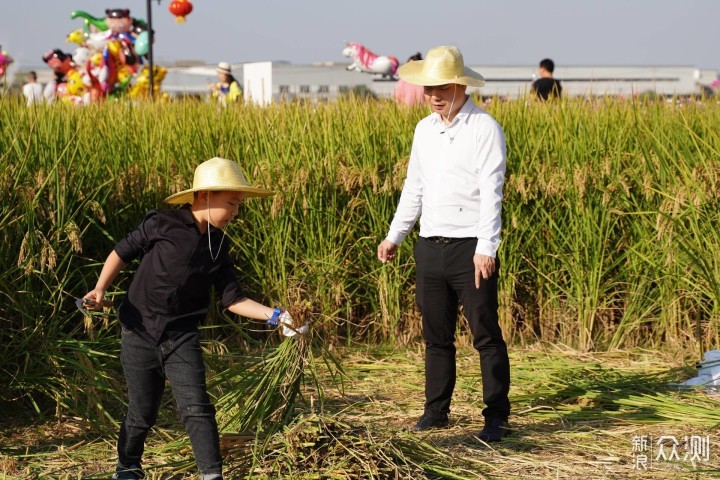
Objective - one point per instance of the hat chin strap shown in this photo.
(213, 257)
(447, 119)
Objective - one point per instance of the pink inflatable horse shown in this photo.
(366, 61)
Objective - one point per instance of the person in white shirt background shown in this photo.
(33, 90)
(454, 185)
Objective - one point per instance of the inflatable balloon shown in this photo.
(90, 21)
(76, 36)
(119, 23)
(81, 55)
(74, 84)
(110, 53)
(141, 88)
(142, 43)
(5, 61)
(59, 61)
(366, 61)
(61, 90)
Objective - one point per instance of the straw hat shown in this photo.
(224, 67)
(218, 174)
(441, 65)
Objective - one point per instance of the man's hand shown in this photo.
(484, 267)
(386, 251)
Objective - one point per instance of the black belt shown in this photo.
(446, 240)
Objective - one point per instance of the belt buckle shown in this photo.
(437, 240)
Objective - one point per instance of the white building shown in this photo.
(331, 79)
(328, 80)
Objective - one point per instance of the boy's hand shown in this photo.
(288, 325)
(95, 300)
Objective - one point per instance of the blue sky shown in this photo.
(499, 32)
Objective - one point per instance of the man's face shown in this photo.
(440, 98)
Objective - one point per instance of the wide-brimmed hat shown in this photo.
(224, 67)
(218, 174)
(441, 65)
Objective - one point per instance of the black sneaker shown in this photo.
(494, 430)
(131, 472)
(431, 420)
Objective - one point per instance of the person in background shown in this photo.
(406, 93)
(227, 90)
(547, 86)
(33, 90)
(454, 185)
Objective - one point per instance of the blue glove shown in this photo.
(275, 319)
(283, 318)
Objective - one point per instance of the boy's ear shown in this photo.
(201, 196)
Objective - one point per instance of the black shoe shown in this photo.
(494, 430)
(431, 420)
(132, 472)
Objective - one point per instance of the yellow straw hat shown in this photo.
(441, 65)
(218, 174)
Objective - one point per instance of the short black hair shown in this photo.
(32, 74)
(413, 58)
(59, 54)
(547, 64)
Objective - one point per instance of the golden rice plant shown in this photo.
(609, 226)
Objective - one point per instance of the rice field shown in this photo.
(609, 287)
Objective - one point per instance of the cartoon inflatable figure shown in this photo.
(366, 61)
(5, 61)
(141, 87)
(61, 64)
(107, 59)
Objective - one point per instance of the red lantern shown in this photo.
(180, 8)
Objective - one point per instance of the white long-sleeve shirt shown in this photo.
(33, 92)
(454, 180)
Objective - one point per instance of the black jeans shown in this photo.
(146, 366)
(445, 277)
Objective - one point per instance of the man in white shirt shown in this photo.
(454, 180)
(32, 90)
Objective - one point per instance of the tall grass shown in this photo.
(610, 223)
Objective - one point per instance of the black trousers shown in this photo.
(146, 367)
(445, 278)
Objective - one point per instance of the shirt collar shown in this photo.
(186, 215)
(462, 116)
(189, 220)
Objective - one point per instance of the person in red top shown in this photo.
(406, 93)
